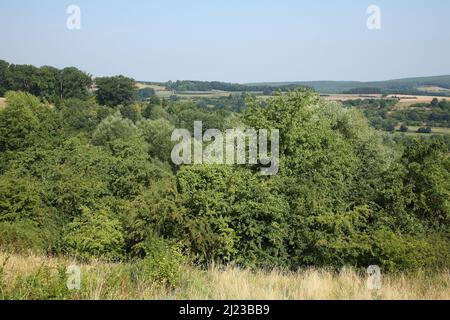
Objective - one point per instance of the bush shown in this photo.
(113, 128)
(425, 130)
(22, 236)
(161, 264)
(94, 234)
(43, 284)
(396, 252)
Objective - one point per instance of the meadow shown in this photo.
(33, 276)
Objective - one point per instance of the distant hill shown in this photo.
(422, 85)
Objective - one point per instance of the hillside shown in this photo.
(429, 85)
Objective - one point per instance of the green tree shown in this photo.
(113, 128)
(4, 85)
(96, 233)
(48, 83)
(18, 121)
(158, 135)
(74, 83)
(24, 78)
(114, 91)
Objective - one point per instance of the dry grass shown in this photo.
(2, 103)
(112, 281)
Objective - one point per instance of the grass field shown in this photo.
(38, 277)
(412, 130)
(405, 100)
(2, 103)
(433, 89)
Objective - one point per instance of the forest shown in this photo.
(86, 173)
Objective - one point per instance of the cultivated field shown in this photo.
(405, 100)
(38, 277)
(2, 103)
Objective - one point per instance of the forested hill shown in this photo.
(428, 85)
(439, 85)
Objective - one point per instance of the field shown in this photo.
(434, 89)
(412, 130)
(405, 100)
(38, 277)
(2, 103)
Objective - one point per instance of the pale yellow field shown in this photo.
(2, 103)
(36, 277)
(159, 90)
(405, 100)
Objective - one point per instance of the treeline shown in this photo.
(224, 86)
(47, 82)
(364, 91)
(54, 85)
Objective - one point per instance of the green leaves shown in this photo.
(94, 182)
(114, 91)
(96, 233)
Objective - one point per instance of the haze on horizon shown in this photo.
(232, 41)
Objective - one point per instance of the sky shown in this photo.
(231, 40)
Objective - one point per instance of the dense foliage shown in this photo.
(46, 82)
(385, 114)
(90, 179)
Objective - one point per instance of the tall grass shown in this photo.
(39, 277)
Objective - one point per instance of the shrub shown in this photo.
(22, 236)
(161, 264)
(396, 252)
(45, 283)
(113, 128)
(94, 234)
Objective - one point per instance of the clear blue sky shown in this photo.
(231, 40)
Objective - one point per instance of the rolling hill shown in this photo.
(421, 85)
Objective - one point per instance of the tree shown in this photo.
(434, 102)
(96, 233)
(428, 177)
(145, 93)
(114, 91)
(113, 128)
(23, 78)
(4, 86)
(48, 83)
(74, 83)
(426, 130)
(404, 128)
(157, 133)
(131, 111)
(19, 124)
